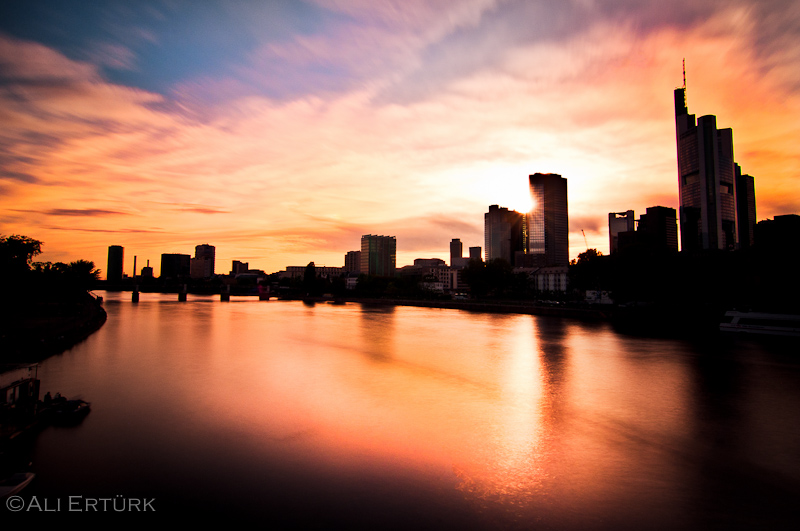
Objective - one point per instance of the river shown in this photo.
(323, 416)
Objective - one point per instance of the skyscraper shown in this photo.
(503, 233)
(548, 221)
(378, 255)
(706, 181)
(619, 222)
(116, 254)
(175, 265)
(456, 250)
(745, 208)
(352, 261)
(202, 265)
(660, 229)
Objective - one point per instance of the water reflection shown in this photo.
(341, 415)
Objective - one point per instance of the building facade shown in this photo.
(504, 233)
(707, 182)
(619, 222)
(548, 221)
(116, 254)
(456, 251)
(378, 255)
(745, 208)
(352, 261)
(202, 265)
(175, 265)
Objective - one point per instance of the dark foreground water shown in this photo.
(295, 416)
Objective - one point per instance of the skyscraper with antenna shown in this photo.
(707, 179)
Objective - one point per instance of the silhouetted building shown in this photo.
(475, 253)
(548, 221)
(656, 233)
(202, 265)
(147, 271)
(706, 181)
(352, 261)
(780, 234)
(239, 268)
(456, 250)
(378, 255)
(619, 222)
(660, 229)
(175, 265)
(745, 208)
(429, 262)
(116, 255)
(503, 233)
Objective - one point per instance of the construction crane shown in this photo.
(584, 240)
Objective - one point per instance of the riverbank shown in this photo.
(32, 330)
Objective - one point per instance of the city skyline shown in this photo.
(282, 133)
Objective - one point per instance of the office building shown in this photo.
(175, 265)
(656, 232)
(352, 261)
(116, 254)
(619, 222)
(707, 182)
(745, 208)
(202, 265)
(475, 253)
(378, 255)
(503, 233)
(239, 267)
(456, 251)
(548, 221)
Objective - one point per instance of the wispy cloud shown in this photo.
(320, 123)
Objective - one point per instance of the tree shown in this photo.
(16, 253)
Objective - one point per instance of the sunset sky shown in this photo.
(281, 131)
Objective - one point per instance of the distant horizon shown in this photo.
(282, 132)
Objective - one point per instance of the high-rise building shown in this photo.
(706, 181)
(548, 221)
(619, 222)
(202, 265)
(352, 261)
(475, 253)
(116, 255)
(456, 251)
(378, 255)
(745, 208)
(660, 229)
(503, 233)
(175, 265)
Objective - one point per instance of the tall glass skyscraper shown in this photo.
(707, 182)
(548, 221)
(504, 233)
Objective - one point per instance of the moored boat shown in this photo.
(761, 323)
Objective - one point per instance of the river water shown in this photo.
(324, 416)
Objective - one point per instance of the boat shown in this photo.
(70, 412)
(14, 483)
(776, 324)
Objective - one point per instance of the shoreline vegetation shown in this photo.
(33, 330)
(45, 307)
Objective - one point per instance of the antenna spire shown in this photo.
(684, 73)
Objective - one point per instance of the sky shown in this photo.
(281, 131)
